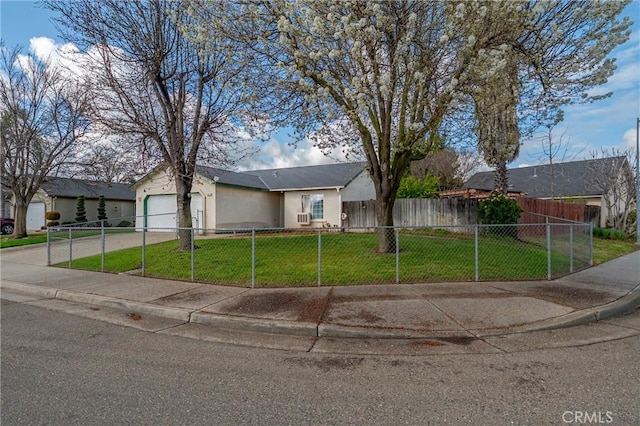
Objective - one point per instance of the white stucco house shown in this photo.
(296, 197)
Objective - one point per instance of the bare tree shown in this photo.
(153, 82)
(43, 122)
(613, 176)
(110, 158)
(452, 167)
(555, 149)
(394, 72)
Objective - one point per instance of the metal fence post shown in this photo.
(591, 243)
(319, 257)
(548, 226)
(253, 258)
(102, 245)
(477, 253)
(70, 248)
(571, 248)
(193, 254)
(48, 246)
(144, 247)
(397, 256)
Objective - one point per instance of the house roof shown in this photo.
(71, 188)
(228, 177)
(309, 177)
(570, 179)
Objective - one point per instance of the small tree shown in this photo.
(81, 212)
(411, 187)
(102, 211)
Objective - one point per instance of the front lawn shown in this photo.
(346, 258)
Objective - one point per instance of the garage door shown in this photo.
(161, 211)
(35, 216)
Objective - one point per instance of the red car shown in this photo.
(6, 226)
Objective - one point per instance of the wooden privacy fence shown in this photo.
(459, 212)
(434, 212)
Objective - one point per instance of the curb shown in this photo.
(624, 305)
(255, 324)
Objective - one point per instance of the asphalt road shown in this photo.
(61, 369)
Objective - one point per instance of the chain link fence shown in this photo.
(328, 256)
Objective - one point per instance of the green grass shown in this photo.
(8, 241)
(292, 260)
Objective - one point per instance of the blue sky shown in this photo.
(607, 124)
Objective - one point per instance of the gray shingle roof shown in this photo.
(322, 176)
(292, 178)
(71, 188)
(228, 177)
(575, 178)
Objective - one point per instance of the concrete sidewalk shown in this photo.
(447, 310)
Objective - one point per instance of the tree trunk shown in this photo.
(502, 184)
(384, 213)
(20, 218)
(185, 222)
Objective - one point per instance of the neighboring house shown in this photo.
(60, 194)
(592, 182)
(5, 207)
(293, 197)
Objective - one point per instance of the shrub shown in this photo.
(411, 187)
(52, 218)
(609, 234)
(102, 212)
(81, 212)
(51, 215)
(124, 224)
(498, 210)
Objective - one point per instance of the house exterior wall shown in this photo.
(162, 183)
(224, 206)
(332, 208)
(246, 208)
(116, 210)
(359, 189)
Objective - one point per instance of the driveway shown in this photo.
(61, 248)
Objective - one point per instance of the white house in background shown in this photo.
(60, 194)
(295, 197)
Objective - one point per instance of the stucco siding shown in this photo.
(245, 208)
(332, 208)
(359, 189)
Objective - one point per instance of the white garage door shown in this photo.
(161, 211)
(35, 216)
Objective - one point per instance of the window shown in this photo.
(313, 204)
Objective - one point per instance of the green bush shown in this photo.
(124, 224)
(51, 215)
(52, 218)
(609, 234)
(411, 187)
(81, 212)
(498, 210)
(102, 211)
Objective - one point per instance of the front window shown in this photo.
(313, 204)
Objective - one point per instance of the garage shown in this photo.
(35, 216)
(160, 211)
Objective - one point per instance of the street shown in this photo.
(65, 369)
